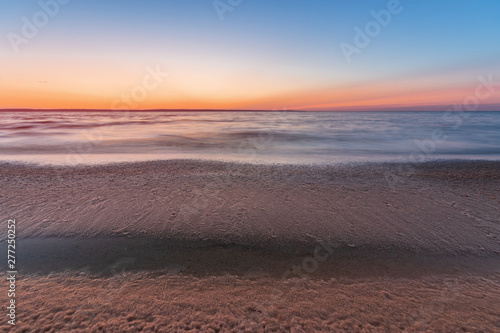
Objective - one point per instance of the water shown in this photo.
(50, 137)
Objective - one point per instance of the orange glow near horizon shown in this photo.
(57, 95)
(56, 83)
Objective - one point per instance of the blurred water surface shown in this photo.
(56, 137)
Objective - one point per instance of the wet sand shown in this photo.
(192, 245)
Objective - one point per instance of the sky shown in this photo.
(250, 54)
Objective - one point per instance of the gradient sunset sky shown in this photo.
(260, 54)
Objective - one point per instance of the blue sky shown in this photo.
(263, 54)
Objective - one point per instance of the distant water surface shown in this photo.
(51, 137)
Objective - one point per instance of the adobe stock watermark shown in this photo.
(153, 78)
(12, 271)
(457, 114)
(372, 29)
(309, 265)
(151, 81)
(113, 287)
(454, 117)
(224, 6)
(249, 147)
(31, 27)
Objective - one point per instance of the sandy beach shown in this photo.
(188, 245)
(250, 166)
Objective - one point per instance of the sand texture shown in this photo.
(211, 246)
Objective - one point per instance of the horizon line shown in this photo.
(393, 109)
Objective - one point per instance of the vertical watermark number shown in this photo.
(11, 272)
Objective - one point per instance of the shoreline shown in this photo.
(378, 163)
(209, 164)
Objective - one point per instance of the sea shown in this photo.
(102, 137)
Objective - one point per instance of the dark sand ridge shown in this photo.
(203, 246)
